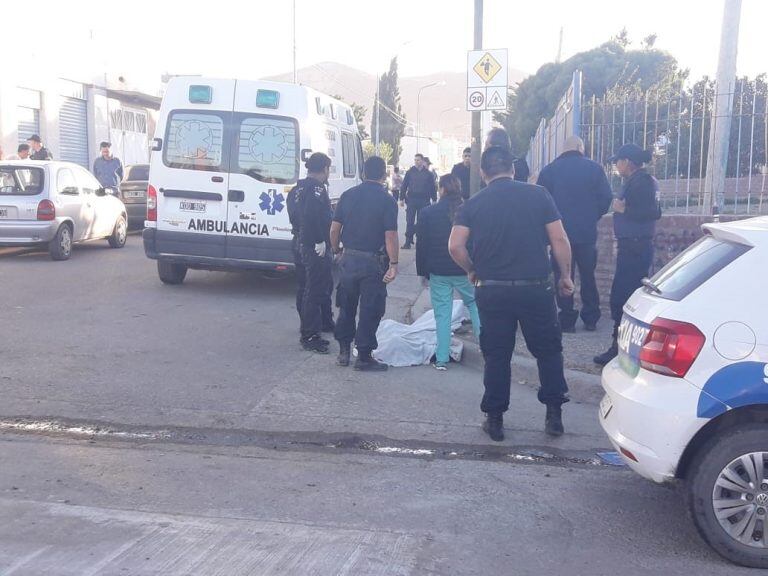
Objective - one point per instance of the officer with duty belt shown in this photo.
(635, 212)
(309, 210)
(364, 236)
(419, 189)
(510, 224)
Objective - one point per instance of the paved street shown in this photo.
(151, 429)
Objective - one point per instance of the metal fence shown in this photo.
(547, 143)
(673, 121)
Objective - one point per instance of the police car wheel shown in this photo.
(728, 494)
(171, 273)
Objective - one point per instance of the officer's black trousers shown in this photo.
(361, 282)
(301, 285)
(584, 257)
(533, 308)
(634, 257)
(314, 307)
(412, 217)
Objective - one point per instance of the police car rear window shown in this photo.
(694, 266)
(194, 141)
(268, 148)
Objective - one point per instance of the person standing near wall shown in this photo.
(108, 169)
(635, 213)
(461, 171)
(39, 152)
(419, 190)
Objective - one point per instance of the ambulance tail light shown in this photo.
(671, 347)
(151, 203)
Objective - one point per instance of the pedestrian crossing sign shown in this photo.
(487, 67)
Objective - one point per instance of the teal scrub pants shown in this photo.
(441, 291)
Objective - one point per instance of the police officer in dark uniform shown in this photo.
(635, 213)
(309, 210)
(510, 224)
(419, 189)
(364, 235)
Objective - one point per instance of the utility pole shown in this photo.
(560, 47)
(474, 172)
(295, 73)
(720, 128)
(377, 105)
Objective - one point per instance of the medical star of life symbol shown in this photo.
(272, 202)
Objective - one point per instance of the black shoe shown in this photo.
(494, 426)
(315, 344)
(568, 329)
(590, 327)
(343, 358)
(369, 364)
(608, 355)
(553, 423)
(406, 246)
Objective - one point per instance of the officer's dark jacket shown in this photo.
(642, 209)
(581, 192)
(419, 186)
(432, 233)
(42, 154)
(309, 210)
(462, 173)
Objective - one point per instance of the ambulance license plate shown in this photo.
(3, 212)
(192, 206)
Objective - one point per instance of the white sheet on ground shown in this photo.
(404, 345)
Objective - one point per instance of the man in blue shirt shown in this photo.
(108, 169)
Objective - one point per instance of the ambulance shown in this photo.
(224, 157)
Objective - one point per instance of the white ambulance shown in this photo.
(225, 156)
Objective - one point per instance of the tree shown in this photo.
(359, 111)
(604, 68)
(391, 117)
(649, 41)
(385, 151)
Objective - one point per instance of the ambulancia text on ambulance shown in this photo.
(225, 155)
(687, 397)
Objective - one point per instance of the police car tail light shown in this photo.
(46, 210)
(671, 347)
(151, 203)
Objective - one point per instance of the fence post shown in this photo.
(576, 110)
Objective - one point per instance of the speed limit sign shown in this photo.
(476, 99)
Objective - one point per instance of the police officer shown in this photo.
(309, 210)
(418, 190)
(635, 212)
(510, 224)
(364, 235)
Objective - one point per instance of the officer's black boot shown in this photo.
(608, 355)
(343, 357)
(315, 344)
(553, 424)
(367, 363)
(494, 426)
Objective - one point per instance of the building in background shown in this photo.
(72, 117)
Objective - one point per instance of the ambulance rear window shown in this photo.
(267, 148)
(194, 140)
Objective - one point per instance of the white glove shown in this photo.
(320, 249)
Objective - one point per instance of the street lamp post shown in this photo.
(418, 109)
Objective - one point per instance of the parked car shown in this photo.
(56, 204)
(133, 193)
(687, 397)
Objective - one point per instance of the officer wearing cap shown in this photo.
(364, 235)
(39, 152)
(309, 210)
(635, 212)
(510, 224)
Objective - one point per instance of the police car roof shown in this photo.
(751, 231)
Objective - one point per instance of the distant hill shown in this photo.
(436, 102)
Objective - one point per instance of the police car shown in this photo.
(225, 155)
(687, 397)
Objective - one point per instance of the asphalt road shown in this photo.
(151, 429)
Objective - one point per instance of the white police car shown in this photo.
(687, 397)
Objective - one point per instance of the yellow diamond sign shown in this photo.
(487, 67)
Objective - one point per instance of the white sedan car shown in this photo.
(56, 204)
(687, 397)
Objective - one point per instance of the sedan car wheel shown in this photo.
(60, 247)
(119, 234)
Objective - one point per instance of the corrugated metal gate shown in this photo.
(73, 131)
(29, 123)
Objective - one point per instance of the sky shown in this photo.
(142, 39)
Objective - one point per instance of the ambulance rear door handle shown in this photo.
(217, 179)
(236, 196)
